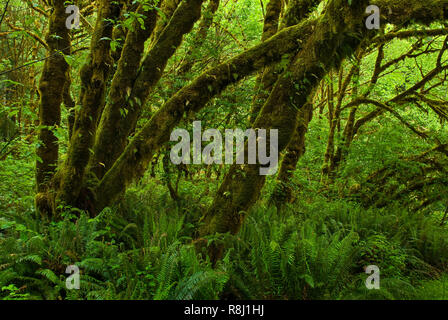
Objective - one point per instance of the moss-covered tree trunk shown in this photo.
(94, 75)
(337, 34)
(283, 192)
(51, 89)
(117, 123)
(116, 163)
(296, 11)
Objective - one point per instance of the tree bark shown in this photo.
(283, 192)
(51, 87)
(94, 75)
(115, 127)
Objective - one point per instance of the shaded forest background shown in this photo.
(86, 177)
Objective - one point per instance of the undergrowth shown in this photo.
(143, 249)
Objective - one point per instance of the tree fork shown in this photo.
(94, 76)
(113, 124)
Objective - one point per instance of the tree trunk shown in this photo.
(51, 88)
(283, 192)
(116, 124)
(337, 34)
(94, 75)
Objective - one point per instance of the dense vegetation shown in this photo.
(85, 170)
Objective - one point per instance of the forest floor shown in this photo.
(316, 248)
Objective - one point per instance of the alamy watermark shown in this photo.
(373, 280)
(72, 22)
(73, 281)
(257, 150)
(373, 21)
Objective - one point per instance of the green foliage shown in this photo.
(316, 247)
(314, 250)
